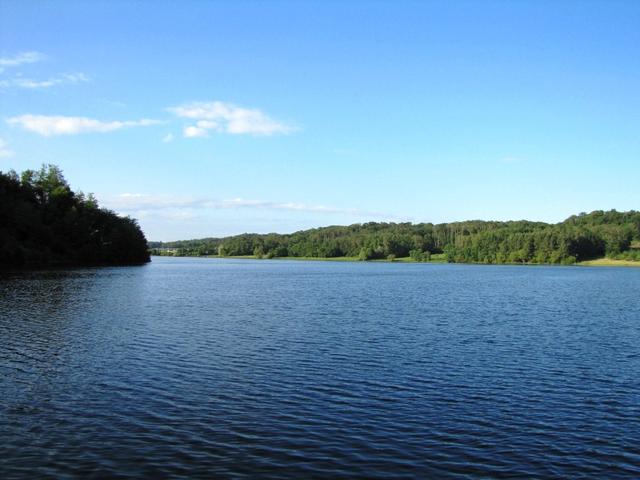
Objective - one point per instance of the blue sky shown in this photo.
(214, 118)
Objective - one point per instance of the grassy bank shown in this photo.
(436, 258)
(608, 262)
(318, 259)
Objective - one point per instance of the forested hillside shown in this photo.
(43, 222)
(581, 237)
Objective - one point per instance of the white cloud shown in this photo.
(192, 132)
(139, 202)
(20, 82)
(49, 126)
(20, 59)
(221, 117)
(4, 151)
(207, 124)
(167, 138)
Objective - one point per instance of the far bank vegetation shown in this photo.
(587, 236)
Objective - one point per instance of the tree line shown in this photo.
(580, 237)
(44, 223)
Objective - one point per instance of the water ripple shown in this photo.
(274, 369)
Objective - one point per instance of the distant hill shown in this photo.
(611, 234)
(44, 223)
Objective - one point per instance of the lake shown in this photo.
(274, 368)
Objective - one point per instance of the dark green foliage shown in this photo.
(42, 222)
(578, 238)
(420, 256)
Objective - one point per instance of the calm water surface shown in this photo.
(231, 369)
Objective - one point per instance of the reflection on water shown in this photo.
(203, 368)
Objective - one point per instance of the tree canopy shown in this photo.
(43, 222)
(580, 237)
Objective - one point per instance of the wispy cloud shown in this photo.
(20, 59)
(139, 202)
(49, 126)
(21, 82)
(167, 138)
(18, 80)
(221, 117)
(4, 150)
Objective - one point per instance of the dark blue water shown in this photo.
(222, 368)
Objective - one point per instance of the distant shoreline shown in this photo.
(599, 262)
(599, 235)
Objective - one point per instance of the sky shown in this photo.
(205, 119)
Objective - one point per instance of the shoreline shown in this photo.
(598, 262)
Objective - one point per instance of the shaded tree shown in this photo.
(43, 222)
